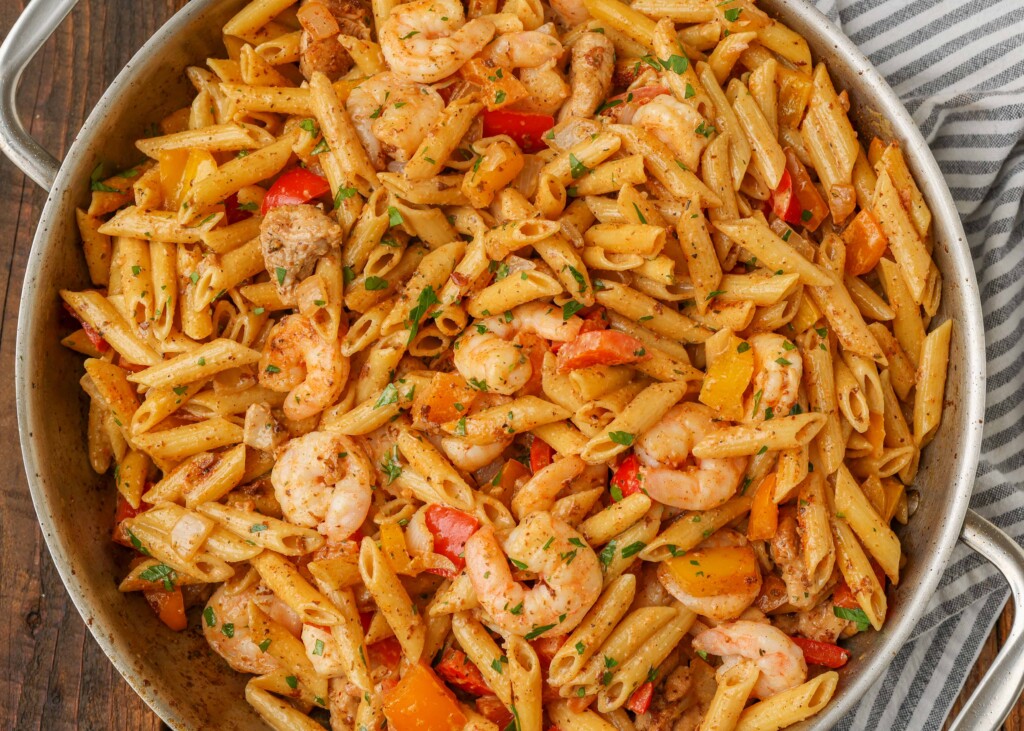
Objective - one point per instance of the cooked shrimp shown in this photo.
(226, 628)
(675, 124)
(590, 75)
(487, 356)
(779, 659)
(322, 651)
(719, 607)
(567, 571)
(298, 360)
(471, 457)
(573, 12)
(671, 475)
(778, 368)
(324, 481)
(524, 49)
(392, 115)
(275, 608)
(429, 40)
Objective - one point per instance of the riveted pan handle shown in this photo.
(28, 35)
(998, 691)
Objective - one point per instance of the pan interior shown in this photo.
(189, 686)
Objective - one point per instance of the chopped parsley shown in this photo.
(633, 548)
(538, 631)
(607, 554)
(576, 168)
(343, 194)
(570, 308)
(621, 437)
(853, 615)
(423, 303)
(160, 573)
(391, 467)
(388, 396)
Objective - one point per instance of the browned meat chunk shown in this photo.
(819, 623)
(787, 552)
(293, 238)
(325, 54)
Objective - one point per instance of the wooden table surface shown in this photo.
(52, 672)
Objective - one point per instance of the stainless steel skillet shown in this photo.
(176, 674)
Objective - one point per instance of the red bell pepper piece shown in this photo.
(843, 595)
(525, 128)
(94, 337)
(233, 211)
(546, 648)
(541, 455)
(169, 606)
(600, 347)
(822, 653)
(123, 512)
(386, 652)
(494, 710)
(451, 529)
(796, 200)
(627, 476)
(784, 201)
(596, 319)
(640, 701)
(296, 186)
(456, 669)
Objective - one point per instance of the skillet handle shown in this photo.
(28, 35)
(998, 691)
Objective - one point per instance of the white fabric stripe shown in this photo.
(958, 69)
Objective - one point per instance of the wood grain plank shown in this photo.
(52, 672)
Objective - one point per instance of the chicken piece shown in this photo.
(819, 623)
(672, 701)
(787, 552)
(262, 431)
(292, 239)
(326, 54)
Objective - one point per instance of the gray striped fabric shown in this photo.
(958, 66)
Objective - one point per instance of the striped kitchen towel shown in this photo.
(958, 66)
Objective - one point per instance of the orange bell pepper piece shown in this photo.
(421, 702)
